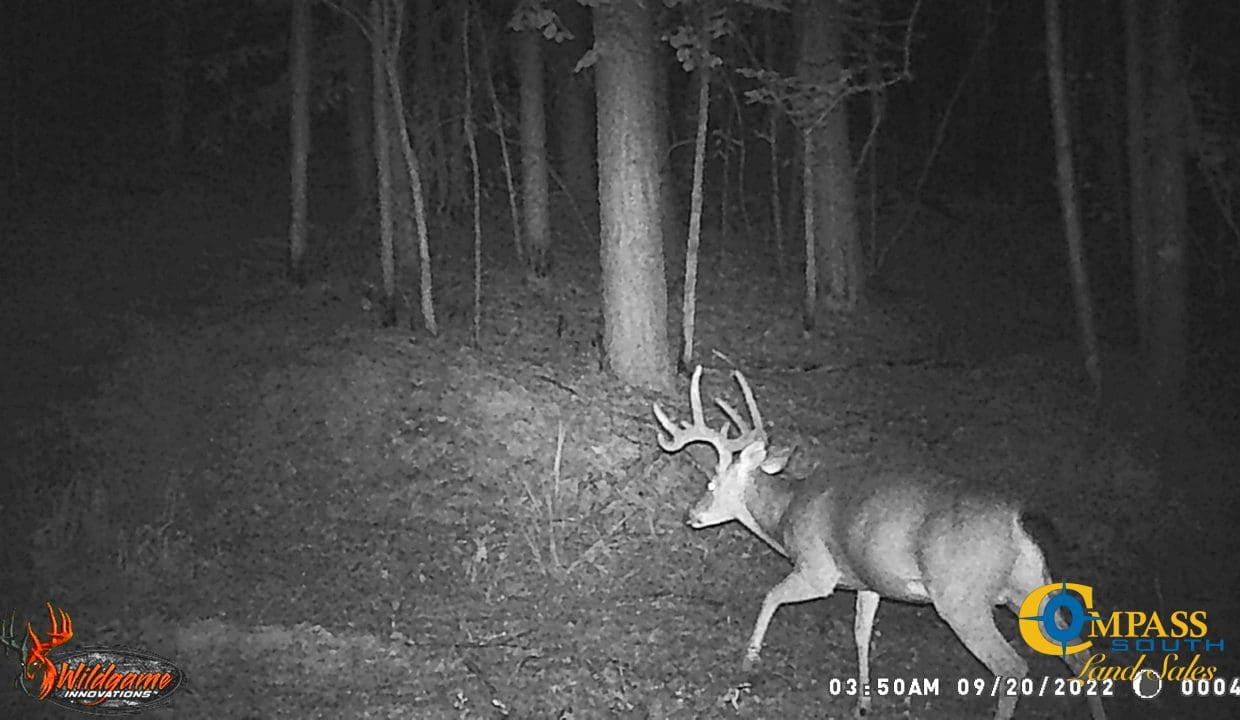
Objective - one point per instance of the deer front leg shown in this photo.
(863, 630)
(803, 584)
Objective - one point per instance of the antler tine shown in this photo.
(695, 398)
(668, 442)
(747, 434)
(754, 414)
(734, 416)
(678, 436)
(8, 637)
(65, 627)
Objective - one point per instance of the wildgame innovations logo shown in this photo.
(1124, 643)
(96, 680)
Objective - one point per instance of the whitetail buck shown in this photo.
(919, 538)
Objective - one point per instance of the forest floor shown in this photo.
(316, 517)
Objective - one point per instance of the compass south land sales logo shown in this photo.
(1122, 644)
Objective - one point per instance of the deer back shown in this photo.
(895, 533)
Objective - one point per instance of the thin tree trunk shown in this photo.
(473, 164)
(299, 132)
(426, 294)
(810, 311)
(403, 212)
(689, 305)
(777, 213)
(536, 213)
(518, 245)
(634, 285)
(381, 113)
(1068, 195)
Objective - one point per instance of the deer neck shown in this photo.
(766, 502)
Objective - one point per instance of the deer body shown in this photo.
(915, 537)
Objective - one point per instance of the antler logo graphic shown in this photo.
(97, 680)
(36, 649)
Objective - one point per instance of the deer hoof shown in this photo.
(750, 664)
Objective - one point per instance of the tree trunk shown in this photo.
(361, 157)
(497, 112)
(403, 222)
(535, 212)
(414, 177)
(689, 302)
(773, 127)
(634, 285)
(841, 270)
(1060, 113)
(476, 198)
(1168, 352)
(299, 132)
(381, 113)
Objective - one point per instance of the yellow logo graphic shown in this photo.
(1037, 618)
(1060, 619)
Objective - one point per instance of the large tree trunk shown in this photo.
(536, 215)
(1068, 197)
(1168, 353)
(361, 158)
(634, 286)
(841, 270)
(299, 132)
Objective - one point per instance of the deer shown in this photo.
(912, 537)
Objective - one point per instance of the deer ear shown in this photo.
(753, 455)
(775, 462)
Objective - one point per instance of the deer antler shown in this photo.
(36, 656)
(8, 638)
(678, 437)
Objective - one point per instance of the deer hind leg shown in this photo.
(863, 630)
(974, 623)
(1075, 663)
(808, 582)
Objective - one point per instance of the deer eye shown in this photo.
(710, 486)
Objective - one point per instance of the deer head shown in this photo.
(740, 458)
